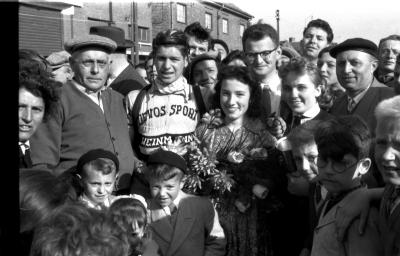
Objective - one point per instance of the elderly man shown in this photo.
(123, 77)
(388, 50)
(316, 36)
(356, 61)
(59, 64)
(88, 116)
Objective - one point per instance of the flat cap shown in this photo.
(90, 41)
(95, 154)
(356, 44)
(210, 55)
(58, 59)
(167, 157)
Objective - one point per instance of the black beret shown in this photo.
(95, 154)
(357, 44)
(167, 157)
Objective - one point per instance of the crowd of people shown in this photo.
(292, 152)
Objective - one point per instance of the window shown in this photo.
(208, 22)
(225, 26)
(181, 13)
(143, 34)
(241, 30)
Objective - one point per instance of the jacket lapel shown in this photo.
(160, 223)
(183, 225)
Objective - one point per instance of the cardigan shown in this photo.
(78, 126)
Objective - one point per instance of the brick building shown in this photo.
(45, 26)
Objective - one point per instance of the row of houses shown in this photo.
(45, 26)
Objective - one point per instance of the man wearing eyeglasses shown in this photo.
(89, 115)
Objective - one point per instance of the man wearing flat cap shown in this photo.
(356, 61)
(88, 116)
(123, 77)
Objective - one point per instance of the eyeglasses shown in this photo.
(338, 167)
(90, 63)
(251, 56)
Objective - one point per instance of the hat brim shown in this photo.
(126, 44)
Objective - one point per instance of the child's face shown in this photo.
(305, 157)
(338, 176)
(97, 186)
(387, 150)
(299, 92)
(138, 230)
(165, 191)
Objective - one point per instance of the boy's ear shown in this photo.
(181, 184)
(363, 166)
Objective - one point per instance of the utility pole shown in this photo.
(277, 24)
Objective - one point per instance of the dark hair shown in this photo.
(171, 38)
(318, 23)
(300, 66)
(195, 29)
(140, 65)
(391, 37)
(31, 58)
(40, 192)
(149, 57)
(258, 31)
(343, 135)
(221, 42)
(233, 55)
(161, 172)
(303, 134)
(40, 85)
(244, 75)
(74, 229)
(124, 212)
(326, 49)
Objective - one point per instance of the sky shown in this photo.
(370, 19)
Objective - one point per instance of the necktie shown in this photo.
(266, 100)
(350, 105)
(26, 155)
(296, 121)
(172, 218)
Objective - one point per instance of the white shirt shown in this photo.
(176, 203)
(275, 88)
(24, 146)
(308, 115)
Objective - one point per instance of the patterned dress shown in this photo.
(245, 231)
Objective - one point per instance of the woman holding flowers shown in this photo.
(240, 143)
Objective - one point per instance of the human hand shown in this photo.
(357, 203)
(212, 117)
(260, 191)
(242, 207)
(276, 126)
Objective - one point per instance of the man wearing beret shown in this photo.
(123, 77)
(88, 116)
(356, 61)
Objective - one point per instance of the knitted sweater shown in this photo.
(79, 126)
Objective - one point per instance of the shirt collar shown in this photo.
(274, 83)
(176, 202)
(24, 146)
(85, 90)
(178, 87)
(359, 96)
(312, 112)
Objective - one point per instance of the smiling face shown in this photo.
(354, 70)
(388, 51)
(164, 192)
(314, 40)
(327, 68)
(205, 73)
(305, 157)
(299, 92)
(262, 67)
(387, 150)
(30, 114)
(96, 185)
(169, 63)
(91, 68)
(234, 98)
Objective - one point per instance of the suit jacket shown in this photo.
(192, 235)
(322, 116)
(127, 81)
(366, 107)
(389, 225)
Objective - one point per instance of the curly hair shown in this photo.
(318, 23)
(39, 84)
(243, 75)
(195, 29)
